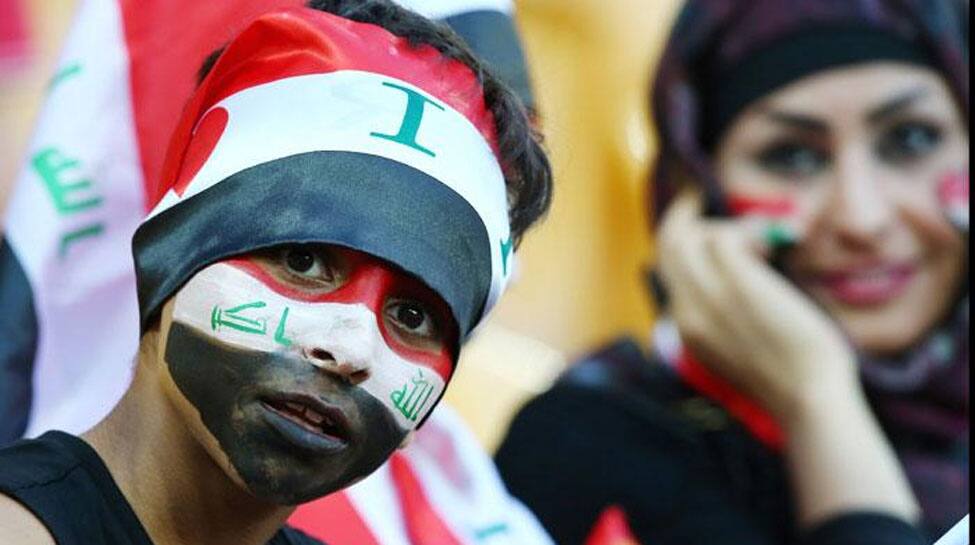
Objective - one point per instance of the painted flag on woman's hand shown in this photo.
(69, 322)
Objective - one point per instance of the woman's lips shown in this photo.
(866, 286)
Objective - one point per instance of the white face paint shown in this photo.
(237, 310)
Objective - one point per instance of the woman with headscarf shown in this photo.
(812, 192)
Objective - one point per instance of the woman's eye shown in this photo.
(306, 263)
(908, 141)
(413, 318)
(793, 159)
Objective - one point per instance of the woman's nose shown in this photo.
(861, 209)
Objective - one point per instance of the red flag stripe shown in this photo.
(333, 519)
(423, 525)
(165, 54)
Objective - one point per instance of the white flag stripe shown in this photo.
(71, 217)
(376, 501)
(460, 482)
(958, 535)
(472, 510)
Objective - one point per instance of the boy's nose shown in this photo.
(351, 372)
(345, 346)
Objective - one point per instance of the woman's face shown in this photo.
(860, 156)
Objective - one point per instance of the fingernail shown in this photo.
(779, 236)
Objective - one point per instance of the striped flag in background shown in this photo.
(68, 311)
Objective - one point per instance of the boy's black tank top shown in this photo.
(64, 482)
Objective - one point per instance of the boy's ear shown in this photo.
(148, 343)
(408, 439)
(152, 337)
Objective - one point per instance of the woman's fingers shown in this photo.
(698, 300)
(683, 255)
(773, 308)
(755, 328)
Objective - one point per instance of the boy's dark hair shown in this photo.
(527, 172)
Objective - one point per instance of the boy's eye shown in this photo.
(307, 263)
(908, 141)
(300, 261)
(793, 159)
(412, 318)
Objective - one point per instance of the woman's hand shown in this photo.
(746, 321)
(755, 329)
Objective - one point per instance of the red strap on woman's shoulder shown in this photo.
(754, 417)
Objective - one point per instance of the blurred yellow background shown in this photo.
(579, 282)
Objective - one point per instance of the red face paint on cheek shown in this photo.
(776, 208)
(954, 191)
(779, 214)
(373, 283)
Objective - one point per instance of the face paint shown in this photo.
(779, 212)
(262, 361)
(776, 208)
(953, 194)
(312, 127)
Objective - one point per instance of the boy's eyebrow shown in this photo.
(896, 104)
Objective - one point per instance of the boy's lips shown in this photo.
(866, 286)
(308, 421)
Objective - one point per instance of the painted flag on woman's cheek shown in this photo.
(954, 196)
(69, 318)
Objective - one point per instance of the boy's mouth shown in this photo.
(327, 424)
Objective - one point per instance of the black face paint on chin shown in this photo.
(226, 385)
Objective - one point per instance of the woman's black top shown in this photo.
(66, 485)
(620, 430)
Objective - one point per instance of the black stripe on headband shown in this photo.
(364, 202)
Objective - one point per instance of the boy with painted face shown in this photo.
(337, 213)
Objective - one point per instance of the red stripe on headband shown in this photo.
(302, 41)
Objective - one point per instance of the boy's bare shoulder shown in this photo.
(18, 526)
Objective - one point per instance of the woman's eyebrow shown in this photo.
(895, 105)
(803, 122)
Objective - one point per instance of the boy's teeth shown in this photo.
(313, 416)
(296, 407)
